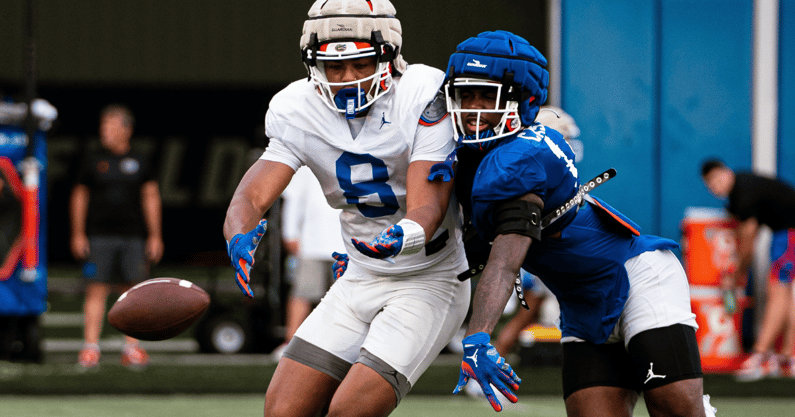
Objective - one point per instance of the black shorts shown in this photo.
(652, 359)
(116, 259)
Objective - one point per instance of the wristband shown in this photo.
(413, 237)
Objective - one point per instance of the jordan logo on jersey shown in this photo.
(383, 121)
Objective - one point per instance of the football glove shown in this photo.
(487, 367)
(241, 251)
(339, 267)
(387, 244)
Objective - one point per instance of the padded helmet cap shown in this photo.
(351, 20)
(507, 58)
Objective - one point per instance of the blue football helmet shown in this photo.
(508, 65)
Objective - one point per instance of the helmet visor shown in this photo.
(349, 96)
(480, 112)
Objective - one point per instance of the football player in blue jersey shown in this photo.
(625, 318)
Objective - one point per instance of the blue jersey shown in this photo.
(584, 267)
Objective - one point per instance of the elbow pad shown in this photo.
(518, 217)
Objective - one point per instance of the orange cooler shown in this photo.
(709, 250)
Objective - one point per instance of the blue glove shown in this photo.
(387, 244)
(241, 251)
(487, 367)
(340, 266)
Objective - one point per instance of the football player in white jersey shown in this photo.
(368, 126)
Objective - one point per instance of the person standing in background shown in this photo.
(311, 233)
(115, 213)
(754, 200)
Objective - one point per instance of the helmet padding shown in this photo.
(364, 20)
(507, 58)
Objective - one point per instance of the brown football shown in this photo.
(158, 308)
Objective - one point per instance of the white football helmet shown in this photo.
(351, 29)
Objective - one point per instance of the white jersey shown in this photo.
(365, 176)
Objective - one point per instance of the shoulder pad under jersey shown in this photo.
(435, 111)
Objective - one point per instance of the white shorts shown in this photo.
(659, 296)
(402, 320)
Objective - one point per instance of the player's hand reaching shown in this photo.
(487, 367)
(387, 244)
(241, 251)
(341, 264)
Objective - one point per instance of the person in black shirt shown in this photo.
(115, 212)
(755, 200)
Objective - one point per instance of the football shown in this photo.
(158, 308)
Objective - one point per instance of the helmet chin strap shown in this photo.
(349, 99)
(481, 146)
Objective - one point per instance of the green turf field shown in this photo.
(197, 385)
(251, 405)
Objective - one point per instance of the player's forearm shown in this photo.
(153, 210)
(263, 183)
(492, 293)
(241, 216)
(426, 201)
(78, 210)
(496, 283)
(430, 218)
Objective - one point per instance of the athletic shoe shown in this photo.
(758, 366)
(790, 367)
(134, 357)
(709, 410)
(89, 356)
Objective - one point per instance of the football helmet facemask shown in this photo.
(506, 63)
(505, 104)
(353, 98)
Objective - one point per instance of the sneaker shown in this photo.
(774, 365)
(758, 366)
(89, 356)
(790, 372)
(134, 357)
(709, 410)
